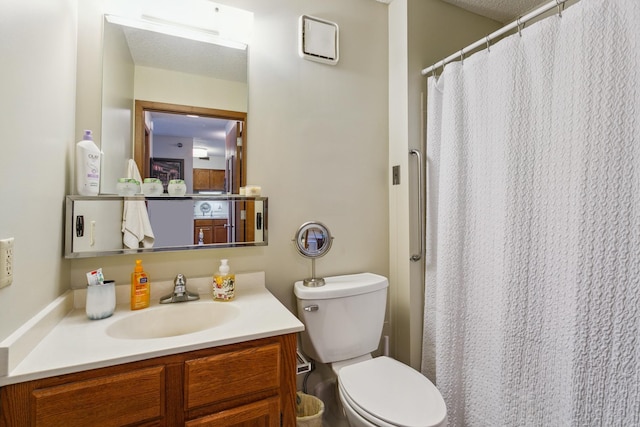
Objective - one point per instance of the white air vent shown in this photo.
(318, 40)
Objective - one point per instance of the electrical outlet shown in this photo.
(6, 262)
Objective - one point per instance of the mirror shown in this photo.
(313, 240)
(154, 81)
(160, 68)
(94, 224)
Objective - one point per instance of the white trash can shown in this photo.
(309, 410)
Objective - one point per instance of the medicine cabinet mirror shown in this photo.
(176, 72)
(94, 224)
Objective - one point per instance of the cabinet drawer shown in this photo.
(263, 413)
(113, 400)
(229, 375)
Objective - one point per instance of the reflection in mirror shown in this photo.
(94, 224)
(313, 240)
(177, 59)
(191, 72)
(209, 144)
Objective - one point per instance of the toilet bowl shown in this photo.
(383, 392)
(343, 325)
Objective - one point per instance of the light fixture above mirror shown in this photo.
(171, 29)
(201, 20)
(199, 152)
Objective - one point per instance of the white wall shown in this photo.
(37, 108)
(317, 144)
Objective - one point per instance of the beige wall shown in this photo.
(117, 89)
(188, 89)
(317, 144)
(421, 32)
(321, 142)
(37, 108)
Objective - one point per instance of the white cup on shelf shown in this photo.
(177, 188)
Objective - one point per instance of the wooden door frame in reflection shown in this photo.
(140, 150)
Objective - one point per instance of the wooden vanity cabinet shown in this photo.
(250, 384)
(213, 231)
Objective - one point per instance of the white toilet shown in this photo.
(343, 324)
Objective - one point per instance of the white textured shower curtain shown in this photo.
(532, 308)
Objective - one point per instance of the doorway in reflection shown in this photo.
(209, 144)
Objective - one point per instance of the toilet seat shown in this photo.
(388, 393)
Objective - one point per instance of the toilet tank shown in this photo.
(343, 319)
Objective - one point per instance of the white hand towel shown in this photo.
(132, 171)
(136, 227)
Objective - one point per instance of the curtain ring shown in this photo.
(520, 25)
(488, 40)
(558, 4)
(462, 56)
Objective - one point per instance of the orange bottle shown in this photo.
(140, 288)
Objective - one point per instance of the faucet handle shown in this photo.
(179, 285)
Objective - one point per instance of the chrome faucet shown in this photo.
(180, 292)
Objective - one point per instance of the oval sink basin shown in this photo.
(172, 320)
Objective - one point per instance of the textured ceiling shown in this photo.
(504, 11)
(159, 50)
(177, 54)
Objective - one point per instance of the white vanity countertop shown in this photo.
(76, 343)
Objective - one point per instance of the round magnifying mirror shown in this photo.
(313, 240)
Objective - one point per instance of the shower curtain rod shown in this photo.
(518, 23)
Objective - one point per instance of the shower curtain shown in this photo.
(532, 300)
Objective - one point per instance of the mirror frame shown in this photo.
(139, 145)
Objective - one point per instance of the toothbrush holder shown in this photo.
(101, 300)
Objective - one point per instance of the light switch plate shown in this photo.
(6, 262)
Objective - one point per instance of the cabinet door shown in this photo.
(263, 413)
(219, 231)
(114, 400)
(207, 231)
(201, 179)
(230, 375)
(208, 179)
(216, 179)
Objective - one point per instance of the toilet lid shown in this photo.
(385, 389)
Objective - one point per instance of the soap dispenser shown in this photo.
(223, 283)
